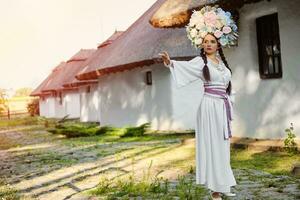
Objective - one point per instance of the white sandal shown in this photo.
(229, 194)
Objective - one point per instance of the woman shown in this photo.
(214, 114)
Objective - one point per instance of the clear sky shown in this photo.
(36, 35)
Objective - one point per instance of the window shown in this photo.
(60, 98)
(149, 78)
(268, 42)
(88, 89)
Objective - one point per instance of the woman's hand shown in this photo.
(165, 57)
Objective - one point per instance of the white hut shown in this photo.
(90, 96)
(59, 97)
(49, 101)
(136, 88)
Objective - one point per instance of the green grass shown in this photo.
(6, 123)
(274, 162)
(46, 158)
(115, 137)
(7, 192)
(149, 188)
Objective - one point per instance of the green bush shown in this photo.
(78, 132)
(75, 129)
(105, 129)
(289, 142)
(54, 130)
(135, 131)
(79, 129)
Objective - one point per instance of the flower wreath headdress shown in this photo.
(213, 20)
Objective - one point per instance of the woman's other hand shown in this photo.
(165, 57)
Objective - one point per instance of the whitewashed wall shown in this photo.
(127, 100)
(89, 104)
(71, 104)
(50, 107)
(44, 106)
(264, 108)
(59, 109)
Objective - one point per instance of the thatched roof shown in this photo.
(75, 82)
(176, 13)
(55, 72)
(66, 75)
(111, 39)
(75, 65)
(63, 76)
(138, 46)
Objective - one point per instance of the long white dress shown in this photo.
(213, 167)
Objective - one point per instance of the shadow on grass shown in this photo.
(274, 162)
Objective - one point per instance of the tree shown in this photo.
(3, 100)
(22, 92)
(33, 107)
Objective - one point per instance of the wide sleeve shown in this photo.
(232, 97)
(232, 102)
(185, 72)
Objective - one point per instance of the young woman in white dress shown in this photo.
(213, 131)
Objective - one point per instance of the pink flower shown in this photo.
(218, 33)
(226, 29)
(210, 18)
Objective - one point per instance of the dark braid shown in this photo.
(221, 53)
(205, 70)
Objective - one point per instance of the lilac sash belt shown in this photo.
(219, 91)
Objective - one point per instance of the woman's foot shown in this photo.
(216, 196)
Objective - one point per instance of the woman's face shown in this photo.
(210, 44)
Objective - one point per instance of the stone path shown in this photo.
(43, 168)
(251, 185)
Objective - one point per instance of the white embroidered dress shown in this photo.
(213, 167)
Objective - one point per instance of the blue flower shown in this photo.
(220, 10)
(228, 14)
(223, 40)
(234, 27)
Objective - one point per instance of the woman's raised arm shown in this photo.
(184, 72)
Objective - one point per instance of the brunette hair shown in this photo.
(205, 70)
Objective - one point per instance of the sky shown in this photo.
(36, 35)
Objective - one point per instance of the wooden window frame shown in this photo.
(60, 98)
(88, 89)
(268, 43)
(149, 77)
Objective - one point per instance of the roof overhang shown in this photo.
(120, 68)
(80, 83)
